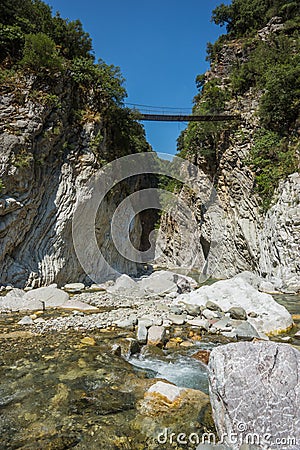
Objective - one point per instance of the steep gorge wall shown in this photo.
(47, 158)
(234, 234)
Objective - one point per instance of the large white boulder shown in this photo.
(126, 286)
(264, 313)
(164, 281)
(49, 296)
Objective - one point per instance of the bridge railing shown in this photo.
(159, 110)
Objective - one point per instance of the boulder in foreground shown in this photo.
(255, 394)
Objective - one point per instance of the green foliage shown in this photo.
(104, 80)
(125, 134)
(200, 81)
(246, 16)
(23, 159)
(72, 39)
(40, 54)
(212, 99)
(272, 158)
(97, 141)
(45, 98)
(19, 18)
(11, 40)
(1, 186)
(7, 76)
(202, 138)
(279, 106)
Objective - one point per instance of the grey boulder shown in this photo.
(49, 297)
(255, 390)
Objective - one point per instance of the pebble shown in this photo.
(142, 334)
(208, 314)
(26, 320)
(213, 306)
(177, 319)
(88, 341)
(156, 335)
(297, 335)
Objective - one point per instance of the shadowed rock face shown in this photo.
(46, 161)
(255, 391)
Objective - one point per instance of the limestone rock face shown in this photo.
(255, 389)
(47, 159)
(280, 238)
(233, 234)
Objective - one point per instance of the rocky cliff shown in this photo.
(50, 148)
(237, 231)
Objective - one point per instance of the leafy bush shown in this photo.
(40, 54)
(279, 106)
(272, 158)
(11, 41)
(23, 159)
(104, 80)
(246, 16)
(22, 17)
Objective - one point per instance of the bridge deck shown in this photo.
(186, 118)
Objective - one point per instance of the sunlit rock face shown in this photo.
(233, 233)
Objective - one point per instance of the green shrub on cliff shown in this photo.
(40, 54)
(272, 158)
(245, 16)
(266, 68)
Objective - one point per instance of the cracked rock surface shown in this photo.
(255, 388)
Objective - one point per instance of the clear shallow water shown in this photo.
(182, 370)
(58, 393)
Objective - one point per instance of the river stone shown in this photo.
(167, 410)
(193, 310)
(237, 312)
(177, 319)
(203, 324)
(208, 314)
(297, 335)
(212, 447)
(126, 286)
(98, 287)
(142, 333)
(170, 391)
(26, 320)
(213, 306)
(246, 331)
(145, 321)
(256, 384)
(164, 281)
(78, 305)
(268, 287)
(156, 335)
(19, 303)
(223, 324)
(15, 292)
(272, 318)
(74, 288)
(49, 296)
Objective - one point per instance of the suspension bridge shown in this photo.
(168, 114)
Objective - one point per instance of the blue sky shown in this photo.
(160, 46)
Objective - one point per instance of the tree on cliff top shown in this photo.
(244, 16)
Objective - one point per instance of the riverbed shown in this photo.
(67, 389)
